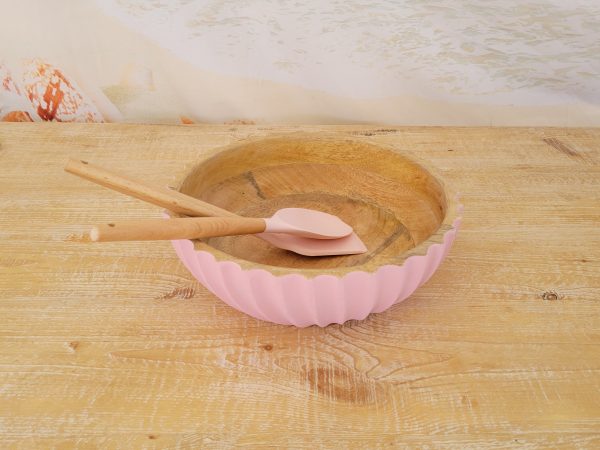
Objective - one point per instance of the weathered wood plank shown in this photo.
(117, 346)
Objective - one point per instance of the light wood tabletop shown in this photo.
(115, 345)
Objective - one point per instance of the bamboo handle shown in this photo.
(182, 228)
(167, 198)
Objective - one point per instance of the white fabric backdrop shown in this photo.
(498, 62)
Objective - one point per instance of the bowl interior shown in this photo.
(392, 203)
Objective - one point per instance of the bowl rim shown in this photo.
(449, 223)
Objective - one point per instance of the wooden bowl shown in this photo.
(400, 210)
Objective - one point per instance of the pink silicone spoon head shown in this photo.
(347, 245)
(307, 223)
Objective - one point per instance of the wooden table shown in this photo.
(117, 346)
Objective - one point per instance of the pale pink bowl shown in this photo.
(300, 296)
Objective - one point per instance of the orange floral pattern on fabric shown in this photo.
(6, 81)
(55, 97)
(8, 84)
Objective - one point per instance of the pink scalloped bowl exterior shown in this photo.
(296, 300)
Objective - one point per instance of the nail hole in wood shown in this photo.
(550, 296)
(111, 224)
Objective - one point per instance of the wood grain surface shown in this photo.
(116, 346)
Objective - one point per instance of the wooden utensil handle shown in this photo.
(167, 198)
(181, 228)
